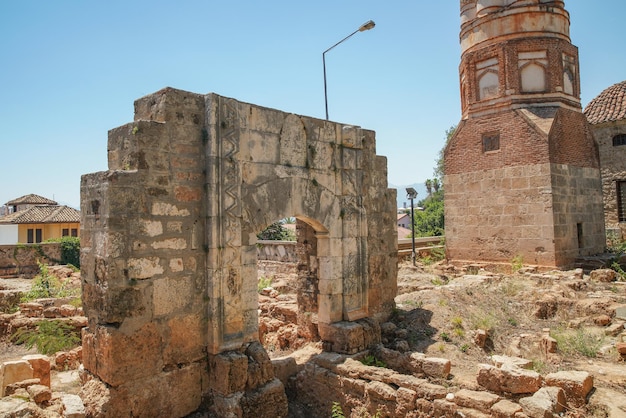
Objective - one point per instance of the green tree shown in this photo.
(436, 184)
(429, 186)
(430, 222)
(438, 172)
(276, 232)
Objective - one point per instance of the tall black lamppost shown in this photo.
(365, 26)
(411, 194)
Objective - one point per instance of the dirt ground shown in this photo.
(442, 310)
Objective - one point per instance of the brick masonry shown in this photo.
(535, 192)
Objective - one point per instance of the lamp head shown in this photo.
(411, 193)
(367, 26)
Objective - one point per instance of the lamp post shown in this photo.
(411, 194)
(365, 26)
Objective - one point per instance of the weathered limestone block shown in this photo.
(144, 268)
(510, 379)
(52, 312)
(406, 401)
(14, 371)
(113, 305)
(68, 310)
(31, 309)
(430, 366)
(471, 413)
(41, 367)
(23, 384)
(171, 295)
(284, 368)
(603, 275)
(422, 387)
(16, 407)
(343, 337)
(483, 401)
(575, 384)
(395, 359)
(602, 320)
(260, 369)
(614, 329)
(186, 343)
(505, 409)
(544, 403)
(480, 338)
(444, 408)
(548, 344)
(229, 372)
(379, 391)
(73, 406)
(356, 369)
(523, 363)
(269, 400)
(117, 357)
(146, 398)
(39, 393)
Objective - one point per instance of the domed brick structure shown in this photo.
(607, 116)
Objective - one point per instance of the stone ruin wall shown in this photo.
(169, 257)
(613, 167)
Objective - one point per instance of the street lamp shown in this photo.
(411, 194)
(365, 26)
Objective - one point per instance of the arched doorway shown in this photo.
(169, 256)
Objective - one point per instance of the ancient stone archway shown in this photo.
(169, 256)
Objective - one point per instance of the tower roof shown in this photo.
(608, 106)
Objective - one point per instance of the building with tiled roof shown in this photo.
(34, 219)
(608, 106)
(607, 116)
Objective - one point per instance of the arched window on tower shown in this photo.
(488, 80)
(569, 75)
(532, 71)
(488, 85)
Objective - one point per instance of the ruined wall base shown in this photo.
(350, 337)
(175, 393)
(536, 212)
(242, 384)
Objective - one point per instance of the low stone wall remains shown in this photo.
(270, 250)
(21, 259)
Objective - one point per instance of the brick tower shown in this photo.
(522, 175)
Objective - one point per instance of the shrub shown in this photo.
(70, 251)
(580, 341)
(45, 285)
(49, 337)
(277, 232)
(263, 283)
(371, 360)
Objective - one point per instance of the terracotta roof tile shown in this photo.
(43, 214)
(31, 199)
(608, 106)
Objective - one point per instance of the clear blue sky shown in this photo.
(70, 71)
